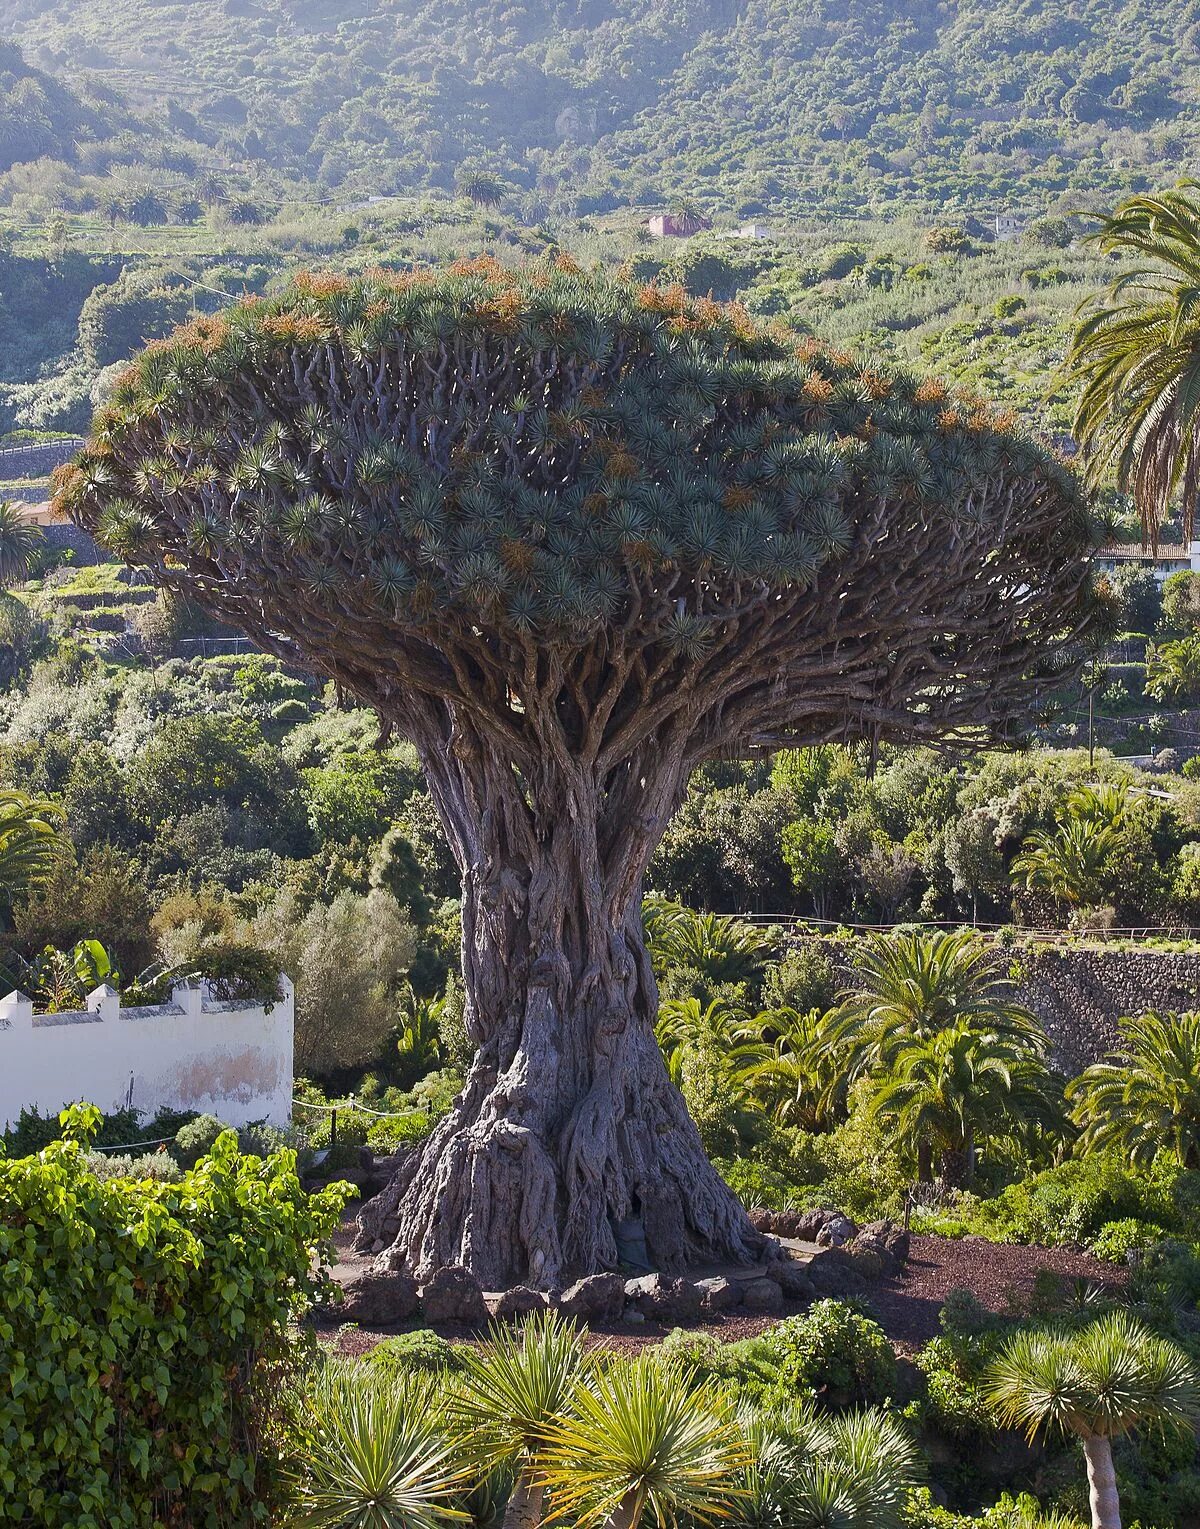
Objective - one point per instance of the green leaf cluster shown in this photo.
(540, 439)
(139, 1321)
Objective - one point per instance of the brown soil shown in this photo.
(1000, 1275)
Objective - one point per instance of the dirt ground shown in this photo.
(999, 1275)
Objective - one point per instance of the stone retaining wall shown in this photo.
(87, 553)
(1078, 992)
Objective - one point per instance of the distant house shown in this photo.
(1171, 557)
(677, 225)
(1008, 227)
(753, 231)
(40, 514)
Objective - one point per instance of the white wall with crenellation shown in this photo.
(232, 1060)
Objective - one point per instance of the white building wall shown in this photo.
(226, 1059)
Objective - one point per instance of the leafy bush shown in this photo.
(258, 1139)
(33, 1130)
(834, 1352)
(346, 959)
(1075, 1200)
(748, 1366)
(195, 1140)
(387, 1135)
(341, 1156)
(422, 1352)
(288, 712)
(1117, 1239)
(140, 1323)
(954, 1363)
(805, 979)
(159, 1166)
(758, 1185)
(352, 1129)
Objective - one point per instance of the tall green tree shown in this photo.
(20, 543)
(573, 537)
(1144, 1099)
(1136, 354)
(1098, 1384)
(944, 1093)
(1069, 861)
(1173, 669)
(30, 830)
(934, 1025)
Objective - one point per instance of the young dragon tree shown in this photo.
(572, 538)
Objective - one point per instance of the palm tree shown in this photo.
(512, 1391)
(911, 986)
(1145, 1097)
(1068, 861)
(721, 948)
(944, 1092)
(639, 1439)
(20, 543)
(1136, 352)
(480, 186)
(801, 1081)
(1105, 803)
(1098, 1383)
(375, 1455)
(1173, 670)
(723, 1028)
(29, 838)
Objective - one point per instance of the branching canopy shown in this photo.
(543, 494)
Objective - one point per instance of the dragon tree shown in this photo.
(572, 538)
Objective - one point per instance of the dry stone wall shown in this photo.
(1078, 992)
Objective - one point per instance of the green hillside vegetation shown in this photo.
(992, 318)
(842, 105)
(40, 117)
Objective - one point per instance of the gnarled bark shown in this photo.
(568, 1126)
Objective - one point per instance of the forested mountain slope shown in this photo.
(834, 104)
(41, 117)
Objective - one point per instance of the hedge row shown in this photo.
(141, 1323)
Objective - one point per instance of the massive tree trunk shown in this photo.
(569, 1143)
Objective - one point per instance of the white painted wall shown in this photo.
(193, 1053)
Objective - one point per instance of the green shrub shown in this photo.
(140, 1324)
(260, 1139)
(1116, 1239)
(288, 712)
(159, 1166)
(352, 1128)
(954, 1363)
(747, 1367)
(106, 619)
(422, 1352)
(195, 1140)
(1168, 1277)
(757, 1185)
(1075, 1200)
(392, 1132)
(805, 979)
(342, 1155)
(833, 1352)
(33, 1130)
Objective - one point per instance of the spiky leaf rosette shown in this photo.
(435, 484)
